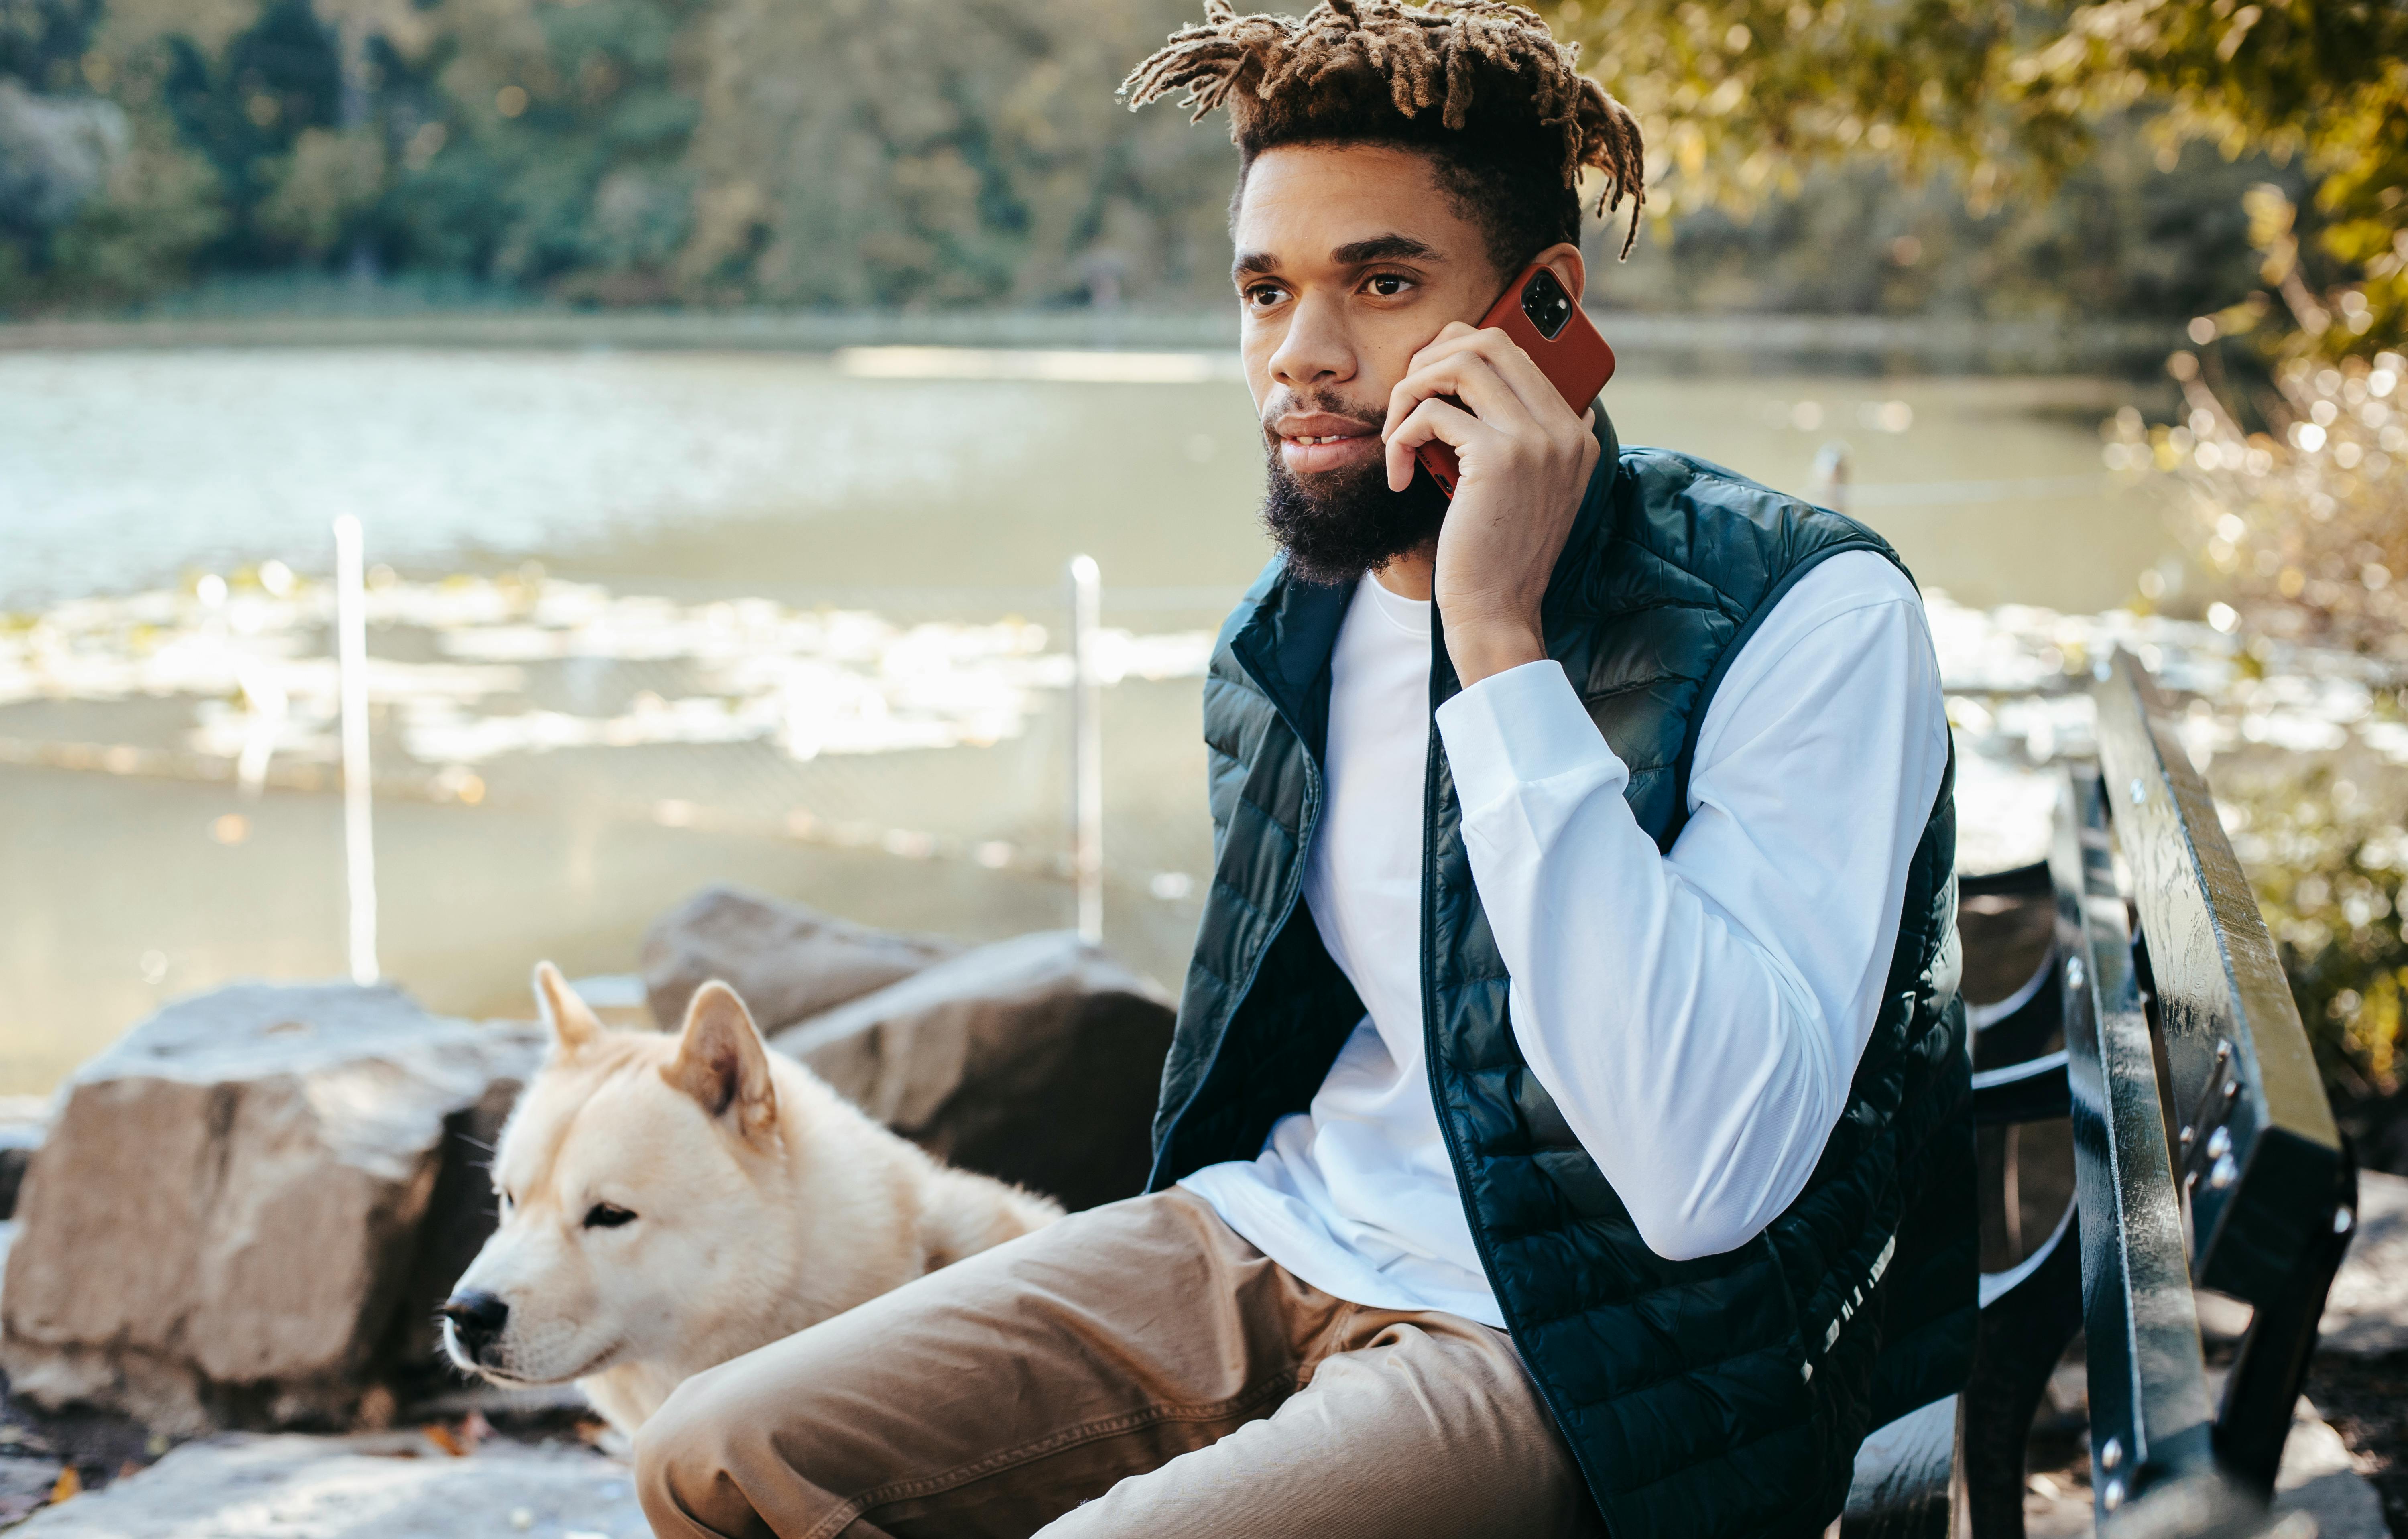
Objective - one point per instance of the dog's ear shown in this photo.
(722, 1063)
(572, 1020)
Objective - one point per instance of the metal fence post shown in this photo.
(351, 667)
(1086, 748)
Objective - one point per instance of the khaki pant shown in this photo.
(1135, 1370)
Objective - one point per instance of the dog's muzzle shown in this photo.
(476, 1319)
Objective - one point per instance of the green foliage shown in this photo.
(2326, 857)
(648, 151)
(2120, 240)
(933, 152)
(546, 145)
(2306, 521)
(319, 192)
(1741, 97)
(42, 42)
(161, 207)
(927, 151)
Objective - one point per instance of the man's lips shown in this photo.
(1322, 440)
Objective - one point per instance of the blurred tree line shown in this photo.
(834, 152)
(840, 152)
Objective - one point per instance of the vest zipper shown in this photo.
(1430, 1059)
(1289, 889)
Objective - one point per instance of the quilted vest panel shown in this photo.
(1722, 1396)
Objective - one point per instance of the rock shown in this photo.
(224, 1225)
(292, 1487)
(1038, 1059)
(2320, 1478)
(2366, 1314)
(789, 962)
(26, 1482)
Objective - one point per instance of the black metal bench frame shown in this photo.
(2205, 1157)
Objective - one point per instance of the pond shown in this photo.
(931, 499)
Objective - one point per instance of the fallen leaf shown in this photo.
(446, 1439)
(68, 1486)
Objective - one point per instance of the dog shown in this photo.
(668, 1203)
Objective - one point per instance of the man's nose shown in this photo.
(1314, 351)
(477, 1318)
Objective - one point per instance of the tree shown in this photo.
(1738, 98)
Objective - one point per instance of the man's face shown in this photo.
(1350, 259)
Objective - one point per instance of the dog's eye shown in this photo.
(605, 1216)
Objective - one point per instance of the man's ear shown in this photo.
(572, 1021)
(722, 1063)
(1571, 269)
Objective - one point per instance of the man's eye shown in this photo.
(1262, 295)
(607, 1215)
(1387, 285)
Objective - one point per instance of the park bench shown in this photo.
(2205, 1157)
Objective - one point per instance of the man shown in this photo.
(1567, 1124)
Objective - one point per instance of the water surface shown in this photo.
(701, 477)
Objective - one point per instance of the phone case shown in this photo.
(1546, 324)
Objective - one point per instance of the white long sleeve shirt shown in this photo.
(1697, 1017)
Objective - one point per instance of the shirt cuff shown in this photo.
(1519, 727)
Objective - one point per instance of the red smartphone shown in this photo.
(1547, 324)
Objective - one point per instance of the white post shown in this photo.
(1086, 748)
(1831, 470)
(351, 667)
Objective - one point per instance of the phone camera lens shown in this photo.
(1545, 303)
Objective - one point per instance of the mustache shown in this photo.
(1333, 405)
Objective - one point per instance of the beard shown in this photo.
(1335, 526)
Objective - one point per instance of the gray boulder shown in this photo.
(235, 1217)
(2366, 1314)
(790, 962)
(1038, 1059)
(395, 1487)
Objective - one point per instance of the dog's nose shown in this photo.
(477, 1318)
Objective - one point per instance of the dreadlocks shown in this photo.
(1506, 95)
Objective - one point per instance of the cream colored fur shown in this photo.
(763, 1203)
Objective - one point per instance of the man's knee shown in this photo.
(686, 1452)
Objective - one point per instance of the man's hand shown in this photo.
(1525, 462)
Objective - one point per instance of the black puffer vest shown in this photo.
(1722, 1396)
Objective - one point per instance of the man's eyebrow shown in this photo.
(1385, 248)
(1254, 264)
(1379, 248)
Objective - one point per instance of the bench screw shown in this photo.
(2221, 1173)
(2187, 1135)
(2111, 1453)
(2140, 792)
(2343, 1220)
(2112, 1497)
(2220, 1143)
(2073, 973)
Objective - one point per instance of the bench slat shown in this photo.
(2149, 1414)
(2237, 1057)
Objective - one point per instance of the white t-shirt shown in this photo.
(1696, 1016)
